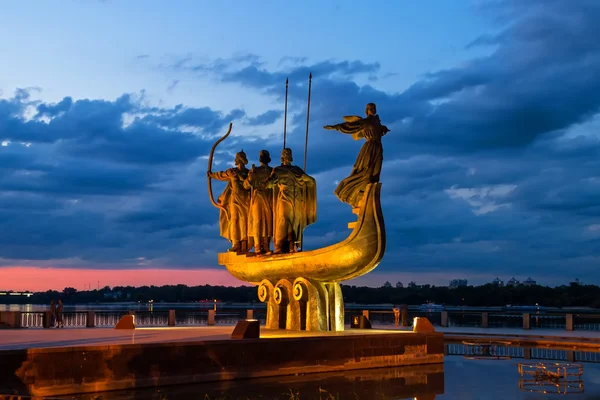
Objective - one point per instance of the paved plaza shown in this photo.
(12, 339)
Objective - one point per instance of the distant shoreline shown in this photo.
(202, 306)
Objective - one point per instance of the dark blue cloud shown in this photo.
(52, 110)
(266, 118)
(204, 118)
(480, 166)
(490, 167)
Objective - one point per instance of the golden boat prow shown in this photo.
(357, 255)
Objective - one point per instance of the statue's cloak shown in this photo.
(306, 200)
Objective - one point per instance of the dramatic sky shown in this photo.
(108, 110)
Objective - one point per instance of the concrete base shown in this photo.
(246, 329)
(89, 369)
(422, 325)
(126, 322)
(10, 319)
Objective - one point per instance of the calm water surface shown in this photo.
(457, 378)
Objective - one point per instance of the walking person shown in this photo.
(52, 313)
(396, 315)
(59, 315)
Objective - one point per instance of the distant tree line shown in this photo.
(573, 295)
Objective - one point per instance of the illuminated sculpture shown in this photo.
(260, 217)
(295, 195)
(301, 288)
(368, 162)
(234, 203)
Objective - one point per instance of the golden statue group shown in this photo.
(263, 203)
(260, 204)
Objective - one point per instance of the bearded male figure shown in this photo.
(295, 205)
(260, 218)
(235, 203)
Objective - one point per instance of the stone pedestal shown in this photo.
(305, 304)
(526, 321)
(444, 322)
(10, 319)
(422, 325)
(404, 316)
(126, 322)
(569, 322)
(90, 320)
(48, 320)
(484, 319)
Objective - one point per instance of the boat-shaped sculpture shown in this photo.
(301, 288)
(357, 255)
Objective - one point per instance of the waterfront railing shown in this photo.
(185, 317)
(527, 353)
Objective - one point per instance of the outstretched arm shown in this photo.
(220, 176)
(349, 128)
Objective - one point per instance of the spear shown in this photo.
(307, 119)
(285, 113)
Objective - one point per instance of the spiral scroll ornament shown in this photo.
(278, 295)
(263, 293)
(300, 291)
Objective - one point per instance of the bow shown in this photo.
(210, 158)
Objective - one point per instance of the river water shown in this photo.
(457, 378)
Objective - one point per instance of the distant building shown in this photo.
(454, 283)
(512, 282)
(575, 282)
(113, 295)
(529, 282)
(498, 282)
(11, 293)
(399, 285)
(412, 285)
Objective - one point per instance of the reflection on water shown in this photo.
(419, 382)
(551, 377)
(500, 379)
(457, 378)
(527, 353)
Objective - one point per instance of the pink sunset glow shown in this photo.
(42, 279)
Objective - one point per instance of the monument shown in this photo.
(234, 203)
(301, 287)
(260, 218)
